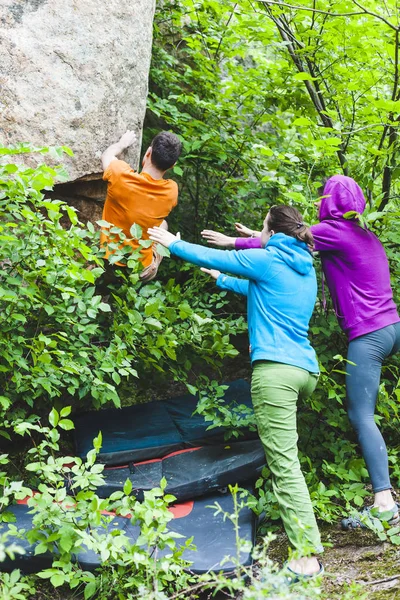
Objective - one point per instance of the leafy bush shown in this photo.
(65, 524)
(60, 338)
(264, 119)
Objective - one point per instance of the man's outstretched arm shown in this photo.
(114, 150)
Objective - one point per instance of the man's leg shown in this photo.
(150, 272)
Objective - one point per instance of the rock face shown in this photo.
(74, 73)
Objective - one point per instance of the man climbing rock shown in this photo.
(144, 198)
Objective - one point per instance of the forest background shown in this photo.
(269, 100)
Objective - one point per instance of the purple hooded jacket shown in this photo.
(353, 260)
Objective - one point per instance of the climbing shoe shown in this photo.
(279, 581)
(356, 521)
(292, 577)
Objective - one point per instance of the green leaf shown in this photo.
(66, 541)
(162, 250)
(395, 539)
(103, 306)
(178, 171)
(41, 548)
(67, 150)
(358, 500)
(333, 141)
(170, 352)
(351, 214)
(304, 77)
(127, 487)
(302, 122)
(5, 402)
(116, 496)
(53, 417)
(136, 231)
(71, 211)
(57, 579)
(98, 441)
(116, 377)
(153, 323)
(66, 424)
(146, 243)
(18, 317)
(90, 590)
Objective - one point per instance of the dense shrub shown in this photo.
(60, 338)
(271, 100)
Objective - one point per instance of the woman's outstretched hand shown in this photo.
(218, 239)
(212, 272)
(162, 236)
(244, 231)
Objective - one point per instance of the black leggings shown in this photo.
(362, 384)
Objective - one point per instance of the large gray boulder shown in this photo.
(74, 73)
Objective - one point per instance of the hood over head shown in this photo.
(343, 194)
(294, 253)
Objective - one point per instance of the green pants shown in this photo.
(275, 388)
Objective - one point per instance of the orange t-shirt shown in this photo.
(136, 198)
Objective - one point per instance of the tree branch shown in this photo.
(396, 66)
(313, 89)
(353, 116)
(391, 578)
(223, 32)
(363, 11)
(372, 14)
(393, 135)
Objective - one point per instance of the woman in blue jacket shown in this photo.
(280, 284)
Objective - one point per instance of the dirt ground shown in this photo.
(355, 556)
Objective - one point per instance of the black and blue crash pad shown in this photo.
(155, 429)
(214, 537)
(191, 472)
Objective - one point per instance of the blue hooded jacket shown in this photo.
(281, 289)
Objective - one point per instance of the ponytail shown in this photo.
(287, 219)
(304, 234)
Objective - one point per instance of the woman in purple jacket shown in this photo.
(357, 273)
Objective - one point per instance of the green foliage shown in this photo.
(49, 310)
(67, 524)
(212, 407)
(61, 338)
(13, 586)
(263, 119)
(269, 101)
(378, 522)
